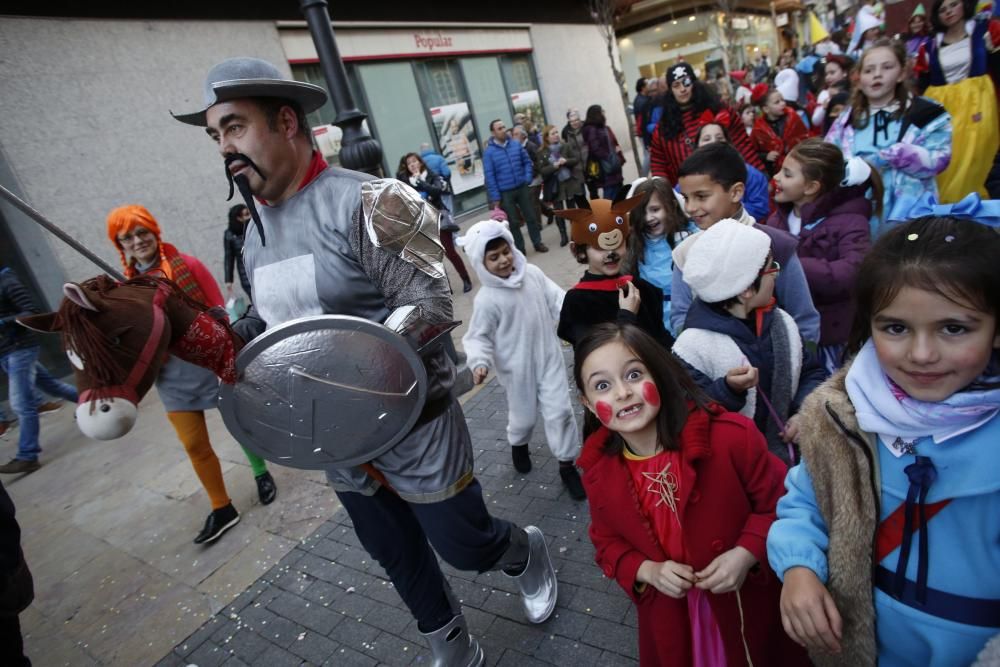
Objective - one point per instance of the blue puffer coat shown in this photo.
(507, 167)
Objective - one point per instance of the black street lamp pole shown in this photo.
(358, 149)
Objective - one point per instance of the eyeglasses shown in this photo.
(773, 267)
(131, 237)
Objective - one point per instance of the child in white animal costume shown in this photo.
(513, 333)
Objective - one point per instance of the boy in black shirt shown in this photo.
(604, 294)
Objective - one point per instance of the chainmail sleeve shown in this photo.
(399, 253)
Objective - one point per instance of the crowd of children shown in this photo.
(790, 372)
(789, 412)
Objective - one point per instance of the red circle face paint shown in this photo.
(604, 412)
(651, 394)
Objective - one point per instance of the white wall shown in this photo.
(573, 69)
(86, 127)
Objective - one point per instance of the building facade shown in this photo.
(87, 126)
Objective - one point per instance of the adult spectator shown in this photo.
(960, 58)
(185, 390)
(18, 359)
(556, 164)
(572, 136)
(436, 163)
(521, 135)
(574, 132)
(604, 152)
(761, 69)
(232, 245)
(429, 495)
(640, 110)
(687, 105)
(508, 173)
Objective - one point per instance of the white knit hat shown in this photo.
(725, 259)
(787, 83)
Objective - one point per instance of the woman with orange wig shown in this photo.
(185, 389)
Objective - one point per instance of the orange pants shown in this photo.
(193, 434)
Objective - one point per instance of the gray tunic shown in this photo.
(182, 386)
(318, 259)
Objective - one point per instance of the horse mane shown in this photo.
(94, 345)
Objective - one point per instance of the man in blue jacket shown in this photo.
(508, 173)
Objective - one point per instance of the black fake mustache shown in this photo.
(612, 257)
(243, 183)
(239, 157)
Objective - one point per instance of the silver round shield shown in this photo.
(324, 391)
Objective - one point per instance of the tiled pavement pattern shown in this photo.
(327, 603)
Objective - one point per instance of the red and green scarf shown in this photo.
(173, 267)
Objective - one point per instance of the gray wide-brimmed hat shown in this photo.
(251, 77)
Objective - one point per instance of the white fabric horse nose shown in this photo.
(110, 418)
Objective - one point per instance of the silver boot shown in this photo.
(538, 584)
(453, 646)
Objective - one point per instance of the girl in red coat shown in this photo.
(777, 130)
(681, 498)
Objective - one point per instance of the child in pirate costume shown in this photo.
(600, 240)
(331, 241)
(512, 333)
(745, 353)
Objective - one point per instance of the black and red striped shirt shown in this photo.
(666, 155)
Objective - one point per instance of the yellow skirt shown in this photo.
(975, 136)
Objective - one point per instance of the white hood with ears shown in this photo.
(474, 241)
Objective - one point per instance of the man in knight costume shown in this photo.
(328, 241)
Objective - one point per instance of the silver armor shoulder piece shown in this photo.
(409, 322)
(398, 220)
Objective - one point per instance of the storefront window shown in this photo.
(522, 86)
(444, 95)
(400, 120)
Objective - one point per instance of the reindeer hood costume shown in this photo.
(605, 227)
(349, 244)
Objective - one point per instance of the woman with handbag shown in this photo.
(605, 157)
(413, 171)
(560, 188)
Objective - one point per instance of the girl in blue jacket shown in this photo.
(659, 225)
(887, 539)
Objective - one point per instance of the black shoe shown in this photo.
(466, 286)
(521, 457)
(19, 467)
(218, 522)
(541, 247)
(571, 479)
(563, 239)
(266, 490)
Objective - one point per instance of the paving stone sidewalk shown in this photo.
(327, 603)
